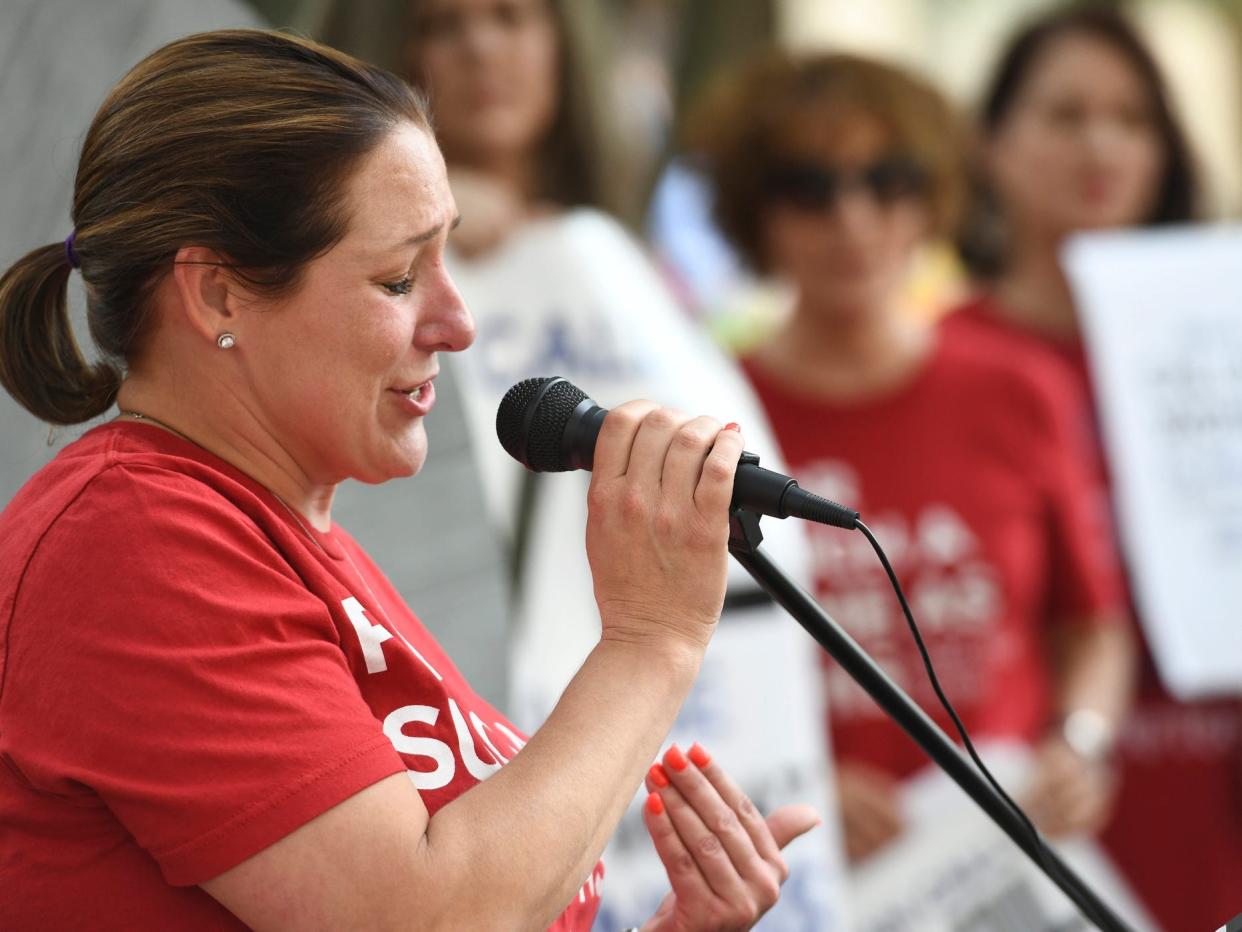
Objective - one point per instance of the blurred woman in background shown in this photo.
(831, 172)
(515, 110)
(1077, 133)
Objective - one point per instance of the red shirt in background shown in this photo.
(1177, 828)
(190, 674)
(974, 479)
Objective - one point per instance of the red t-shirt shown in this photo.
(189, 674)
(977, 320)
(1177, 829)
(971, 479)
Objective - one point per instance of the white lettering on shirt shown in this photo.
(518, 743)
(437, 750)
(486, 738)
(370, 637)
(479, 769)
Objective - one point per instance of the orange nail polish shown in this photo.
(732, 425)
(658, 775)
(700, 757)
(674, 758)
(655, 805)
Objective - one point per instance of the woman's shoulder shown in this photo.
(994, 349)
(980, 320)
(122, 488)
(1013, 378)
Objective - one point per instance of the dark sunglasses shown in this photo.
(813, 186)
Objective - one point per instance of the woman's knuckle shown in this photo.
(727, 823)
(688, 438)
(768, 891)
(682, 863)
(781, 867)
(750, 910)
(623, 417)
(746, 809)
(633, 503)
(663, 419)
(708, 845)
(599, 496)
(717, 469)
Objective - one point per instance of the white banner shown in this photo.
(1162, 315)
(954, 870)
(574, 296)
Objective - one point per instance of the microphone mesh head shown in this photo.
(537, 447)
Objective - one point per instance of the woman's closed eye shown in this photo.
(404, 286)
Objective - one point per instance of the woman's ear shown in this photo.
(209, 295)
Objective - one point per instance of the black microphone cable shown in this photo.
(1036, 838)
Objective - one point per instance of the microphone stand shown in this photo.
(744, 539)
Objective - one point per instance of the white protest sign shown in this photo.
(954, 870)
(1162, 316)
(574, 296)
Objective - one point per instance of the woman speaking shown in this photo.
(214, 709)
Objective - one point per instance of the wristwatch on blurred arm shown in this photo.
(1089, 734)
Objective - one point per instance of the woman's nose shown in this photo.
(446, 325)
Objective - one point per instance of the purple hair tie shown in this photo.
(69, 253)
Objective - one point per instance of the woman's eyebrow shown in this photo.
(420, 238)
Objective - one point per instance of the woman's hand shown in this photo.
(658, 528)
(723, 858)
(870, 814)
(1070, 794)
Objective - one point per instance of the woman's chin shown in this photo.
(399, 458)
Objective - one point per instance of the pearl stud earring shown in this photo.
(226, 341)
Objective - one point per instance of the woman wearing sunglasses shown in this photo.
(831, 172)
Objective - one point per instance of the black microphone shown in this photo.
(550, 425)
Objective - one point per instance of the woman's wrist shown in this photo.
(673, 656)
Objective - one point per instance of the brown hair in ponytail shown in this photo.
(240, 141)
(40, 362)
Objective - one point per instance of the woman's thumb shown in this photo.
(788, 822)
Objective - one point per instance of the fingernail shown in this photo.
(675, 759)
(658, 775)
(732, 425)
(700, 757)
(655, 805)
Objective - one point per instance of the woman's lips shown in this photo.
(418, 400)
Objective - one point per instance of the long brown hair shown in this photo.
(981, 240)
(240, 141)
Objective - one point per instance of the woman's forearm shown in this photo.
(532, 832)
(1097, 671)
